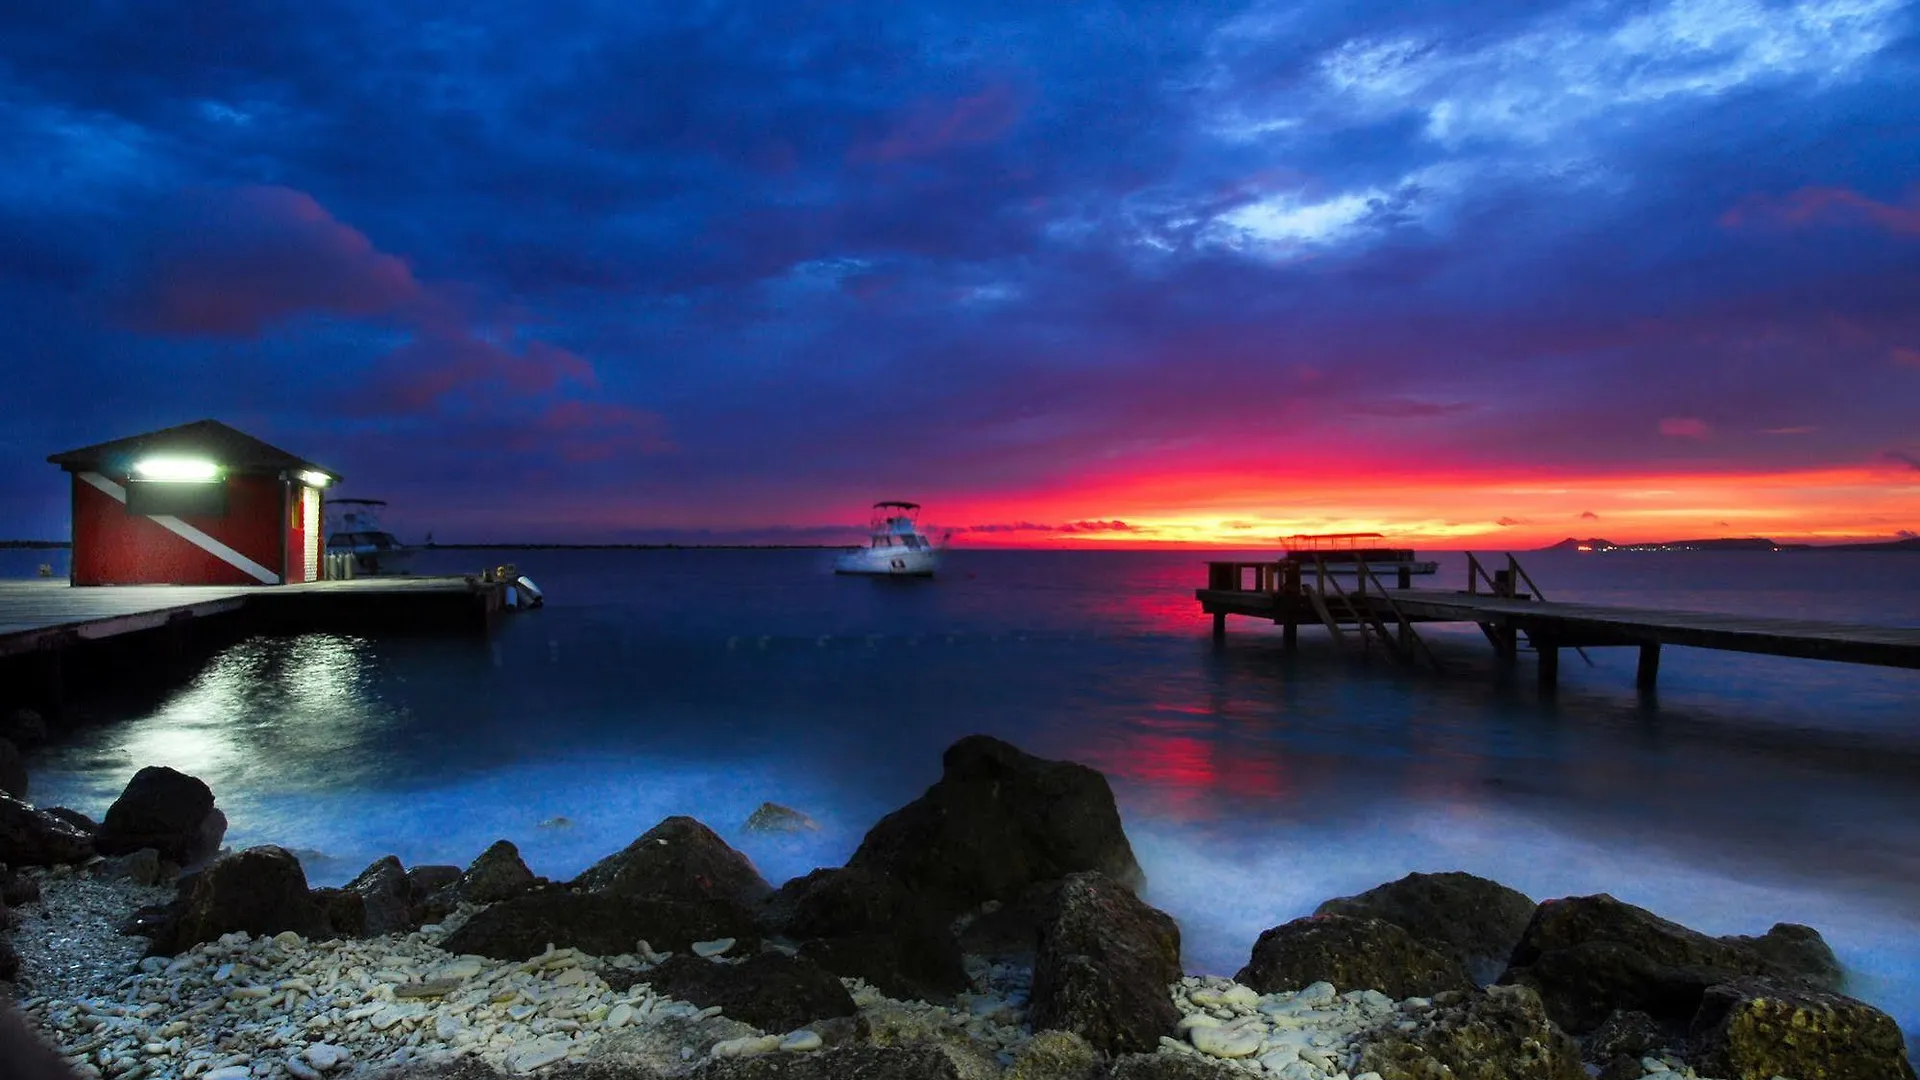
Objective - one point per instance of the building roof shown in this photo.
(230, 448)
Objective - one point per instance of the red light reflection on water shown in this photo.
(1187, 777)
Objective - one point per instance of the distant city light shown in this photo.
(173, 468)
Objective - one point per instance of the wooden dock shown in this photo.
(1371, 614)
(46, 625)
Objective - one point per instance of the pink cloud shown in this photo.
(1811, 205)
(1684, 427)
(434, 368)
(932, 128)
(233, 262)
(1804, 429)
(586, 431)
(1908, 357)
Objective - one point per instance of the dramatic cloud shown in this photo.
(1826, 206)
(233, 262)
(1218, 270)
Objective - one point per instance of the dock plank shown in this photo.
(38, 614)
(1568, 624)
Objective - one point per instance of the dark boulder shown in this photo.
(1755, 1029)
(13, 771)
(497, 874)
(75, 818)
(996, 822)
(1103, 966)
(1170, 1067)
(24, 728)
(1005, 930)
(9, 958)
(1626, 1034)
(1799, 951)
(30, 837)
(1352, 954)
(1589, 955)
(839, 1063)
(678, 859)
(343, 913)
(143, 867)
(772, 991)
(424, 881)
(168, 811)
(261, 890)
(385, 897)
(597, 924)
(17, 889)
(1472, 920)
(1500, 1033)
(864, 924)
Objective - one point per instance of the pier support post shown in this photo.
(1290, 636)
(1649, 670)
(1549, 667)
(1219, 626)
(1406, 578)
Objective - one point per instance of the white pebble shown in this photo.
(804, 1039)
(1227, 1042)
(324, 1056)
(712, 948)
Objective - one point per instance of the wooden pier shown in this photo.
(1372, 615)
(46, 625)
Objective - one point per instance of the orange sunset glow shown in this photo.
(1453, 510)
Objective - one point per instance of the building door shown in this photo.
(310, 515)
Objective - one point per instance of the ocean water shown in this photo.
(1254, 784)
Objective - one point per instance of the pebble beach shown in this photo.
(929, 954)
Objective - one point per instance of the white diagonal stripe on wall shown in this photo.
(190, 534)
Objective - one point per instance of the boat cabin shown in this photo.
(896, 524)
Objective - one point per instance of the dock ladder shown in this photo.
(1362, 608)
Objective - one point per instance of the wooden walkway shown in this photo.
(41, 615)
(1386, 617)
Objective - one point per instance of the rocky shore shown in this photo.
(990, 929)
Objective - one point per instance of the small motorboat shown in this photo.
(354, 531)
(1343, 553)
(896, 548)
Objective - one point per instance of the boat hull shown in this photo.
(881, 562)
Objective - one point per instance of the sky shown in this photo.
(1079, 273)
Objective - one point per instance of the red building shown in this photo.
(198, 504)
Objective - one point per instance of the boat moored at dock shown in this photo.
(354, 531)
(1343, 553)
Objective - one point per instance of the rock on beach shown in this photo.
(673, 960)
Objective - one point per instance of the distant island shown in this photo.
(1735, 543)
(36, 545)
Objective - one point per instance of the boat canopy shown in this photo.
(895, 518)
(1328, 541)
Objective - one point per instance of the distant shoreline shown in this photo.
(1696, 547)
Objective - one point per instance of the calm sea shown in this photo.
(1254, 784)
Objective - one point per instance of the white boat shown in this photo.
(1343, 553)
(897, 547)
(353, 529)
